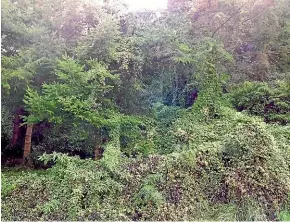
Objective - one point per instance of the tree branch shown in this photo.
(225, 22)
(233, 15)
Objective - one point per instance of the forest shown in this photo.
(173, 114)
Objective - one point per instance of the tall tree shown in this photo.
(80, 95)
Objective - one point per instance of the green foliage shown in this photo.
(10, 179)
(284, 215)
(112, 158)
(101, 43)
(15, 70)
(206, 57)
(93, 75)
(271, 102)
(261, 165)
(149, 194)
(208, 102)
(79, 94)
(74, 189)
(7, 186)
(164, 139)
(6, 124)
(33, 160)
(232, 168)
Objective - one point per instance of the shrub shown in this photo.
(72, 189)
(271, 102)
(6, 123)
(255, 167)
(7, 186)
(234, 167)
(164, 139)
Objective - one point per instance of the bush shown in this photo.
(284, 216)
(255, 167)
(164, 139)
(234, 167)
(33, 161)
(271, 102)
(6, 128)
(72, 189)
(7, 186)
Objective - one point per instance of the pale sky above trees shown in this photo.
(146, 4)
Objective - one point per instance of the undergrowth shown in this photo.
(234, 167)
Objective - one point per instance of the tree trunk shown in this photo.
(98, 152)
(98, 148)
(16, 126)
(27, 144)
(175, 91)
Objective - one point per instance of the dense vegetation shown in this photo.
(180, 114)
